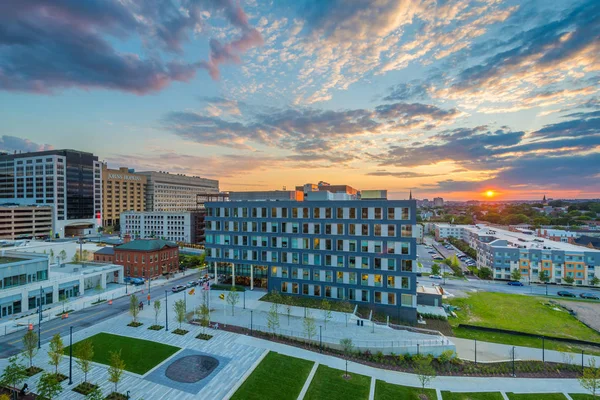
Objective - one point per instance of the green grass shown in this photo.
(497, 310)
(579, 396)
(140, 356)
(388, 391)
(329, 384)
(227, 287)
(536, 396)
(276, 377)
(472, 396)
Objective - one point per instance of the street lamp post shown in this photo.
(320, 340)
(244, 299)
(71, 355)
(166, 312)
(149, 280)
(40, 321)
(250, 322)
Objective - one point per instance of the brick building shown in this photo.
(142, 258)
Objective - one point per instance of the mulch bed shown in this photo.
(204, 336)
(84, 388)
(180, 331)
(61, 377)
(9, 392)
(33, 370)
(155, 327)
(523, 369)
(135, 324)
(115, 396)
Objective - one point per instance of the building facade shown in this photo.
(173, 226)
(122, 190)
(438, 202)
(142, 258)
(70, 181)
(361, 251)
(557, 235)
(174, 192)
(19, 222)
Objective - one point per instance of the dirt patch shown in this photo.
(588, 313)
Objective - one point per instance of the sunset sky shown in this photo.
(447, 98)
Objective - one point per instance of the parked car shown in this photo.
(192, 283)
(137, 281)
(435, 277)
(178, 288)
(589, 296)
(515, 283)
(564, 293)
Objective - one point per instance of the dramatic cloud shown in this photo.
(11, 144)
(46, 46)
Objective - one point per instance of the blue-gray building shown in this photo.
(362, 251)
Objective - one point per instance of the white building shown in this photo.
(418, 233)
(444, 231)
(173, 226)
(174, 192)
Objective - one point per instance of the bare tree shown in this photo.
(134, 308)
(156, 311)
(233, 297)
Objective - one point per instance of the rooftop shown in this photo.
(147, 245)
(8, 260)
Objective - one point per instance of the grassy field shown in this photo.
(497, 310)
(140, 356)
(388, 391)
(472, 396)
(536, 396)
(579, 396)
(329, 384)
(276, 377)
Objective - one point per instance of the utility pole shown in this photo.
(166, 312)
(71, 355)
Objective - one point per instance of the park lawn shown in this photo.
(329, 384)
(472, 396)
(389, 391)
(536, 396)
(140, 356)
(499, 310)
(276, 377)
(580, 396)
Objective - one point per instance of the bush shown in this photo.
(446, 356)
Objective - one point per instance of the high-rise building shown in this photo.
(19, 222)
(174, 192)
(361, 251)
(173, 226)
(438, 202)
(122, 190)
(68, 180)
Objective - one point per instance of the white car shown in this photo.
(435, 277)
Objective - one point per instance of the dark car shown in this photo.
(515, 283)
(589, 296)
(178, 288)
(564, 293)
(192, 283)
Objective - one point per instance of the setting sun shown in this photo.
(490, 193)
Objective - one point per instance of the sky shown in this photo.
(444, 98)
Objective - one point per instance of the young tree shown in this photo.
(348, 310)
(48, 387)
(515, 275)
(115, 370)
(485, 273)
(56, 352)
(30, 341)
(544, 276)
(347, 348)
(14, 373)
(95, 394)
(179, 308)
(84, 351)
(276, 299)
(273, 318)
(233, 297)
(51, 256)
(156, 311)
(590, 380)
(288, 309)
(569, 280)
(75, 259)
(62, 256)
(595, 281)
(310, 328)
(134, 307)
(435, 269)
(85, 255)
(327, 315)
(425, 372)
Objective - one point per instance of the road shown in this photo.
(11, 344)
(426, 261)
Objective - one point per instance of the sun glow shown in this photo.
(490, 193)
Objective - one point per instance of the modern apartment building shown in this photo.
(558, 235)
(174, 192)
(438, 202)
(174, 226)
(444, 231)
(504, 251)
(122, 190)
(25, 222)
(361, 251)
(68, 180)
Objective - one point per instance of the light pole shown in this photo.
(40, 321)
(149, 280)
(166, 312)
(244, 299)
(250, 322)
(71, 355)
(320, 340)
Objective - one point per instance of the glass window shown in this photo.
(378, 214)
(364, 279)
(391, 281)
(378, 279)
(406, 230)
(391, 298)
(391, 213)
(407, 300)
(317, 290)
(340, 212)
(284, 287)
(405, 282)
(377, 229)
(377, 297)
(294, 288)
(353, 213)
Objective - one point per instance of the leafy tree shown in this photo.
(156, 311)
(56, 352)
(569, 280)
(310, 328)
(75, 259)
(48, 387)
(326, 307)
(95, 394)
(595, 281)
(51, 256)
(14, 373)
(233, 297)
(85, 255)
(179, 308)
(62, 255)
(590, 380)
(515, 275)
(203, 313)
(134, 307)
(425, 372)
(30, 342)
(347, 348)
(436, 269)
(485, 273)
(273, 318)
(84, 351)
(115, 370)
(544, 276)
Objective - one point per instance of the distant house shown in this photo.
(588, 241)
